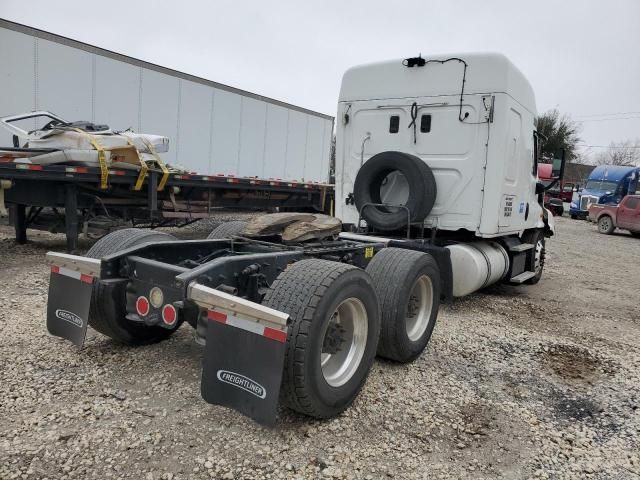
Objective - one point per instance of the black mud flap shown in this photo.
(68, 304)
(242, 366)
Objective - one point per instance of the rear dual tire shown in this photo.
(108, 306)
(333, 335)
(408, 285)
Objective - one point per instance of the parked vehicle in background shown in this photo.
(626, 216)
(555, 196)
(607, 185)
(562, 189)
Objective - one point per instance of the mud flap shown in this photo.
(68, 304)
(242, 366)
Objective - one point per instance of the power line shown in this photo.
(607, 114)
(608, 146)
(636, 117)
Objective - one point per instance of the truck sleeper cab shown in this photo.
(294, 307)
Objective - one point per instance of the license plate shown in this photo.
(68, 304)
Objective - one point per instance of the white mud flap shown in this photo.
(244, 355)
(70, 287)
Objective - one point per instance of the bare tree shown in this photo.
(626, 152)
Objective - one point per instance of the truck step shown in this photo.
(523, 277)
(522, 247)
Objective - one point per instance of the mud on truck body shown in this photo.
(437, 196)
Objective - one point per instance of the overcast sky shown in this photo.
(580, 56)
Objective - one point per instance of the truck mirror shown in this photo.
(557, 170)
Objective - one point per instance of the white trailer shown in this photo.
(213, 128)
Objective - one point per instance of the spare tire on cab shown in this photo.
(395, 178)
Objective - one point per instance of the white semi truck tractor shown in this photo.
(436, 196)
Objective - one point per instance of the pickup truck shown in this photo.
(625, 215)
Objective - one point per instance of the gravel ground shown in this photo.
(517, 382)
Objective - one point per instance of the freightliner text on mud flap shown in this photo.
(70, 290)
(244, 355)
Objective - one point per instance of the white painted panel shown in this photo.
(226, 132)
(192, 148)
(314, 153)
(296, 146)
(326, 152)
(275, 142)
(160, 108)
(252, 135)
(240, 135)
(16, 78)
(65, 81)
(117, 94)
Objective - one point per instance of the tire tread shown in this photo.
(387, 269)
(298, 291)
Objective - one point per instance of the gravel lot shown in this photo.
(540, 381)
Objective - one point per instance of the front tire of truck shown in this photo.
(332, 337)
(605, 225)
(408, 284)
(108, 305)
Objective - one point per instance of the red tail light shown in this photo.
(169, 314)
(142, 306)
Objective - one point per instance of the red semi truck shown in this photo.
(625, 215)
(559, 192)
(562, 190)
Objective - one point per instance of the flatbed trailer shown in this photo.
(30, 189)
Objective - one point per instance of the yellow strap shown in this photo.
(102, 158)
(143, 166)
(163, 167)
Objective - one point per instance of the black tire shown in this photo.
(125, 238)
(228, 229)
(606, 225)
(421, 184)
(536, 237)
(310, 291)
(395, 273)
(635, 234)
(573, 217)
(107, 311)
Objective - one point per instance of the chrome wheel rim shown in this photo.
(538, 256)
(419, 308)
(604, 224)
(340, 360)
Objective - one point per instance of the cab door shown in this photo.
(629, 213)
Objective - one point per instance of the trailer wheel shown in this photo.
(228, 229)
(605, 225)
(107, 312)
(333, 336)
(408, 285)
(536, 237)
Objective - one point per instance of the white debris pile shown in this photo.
(80, 143)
